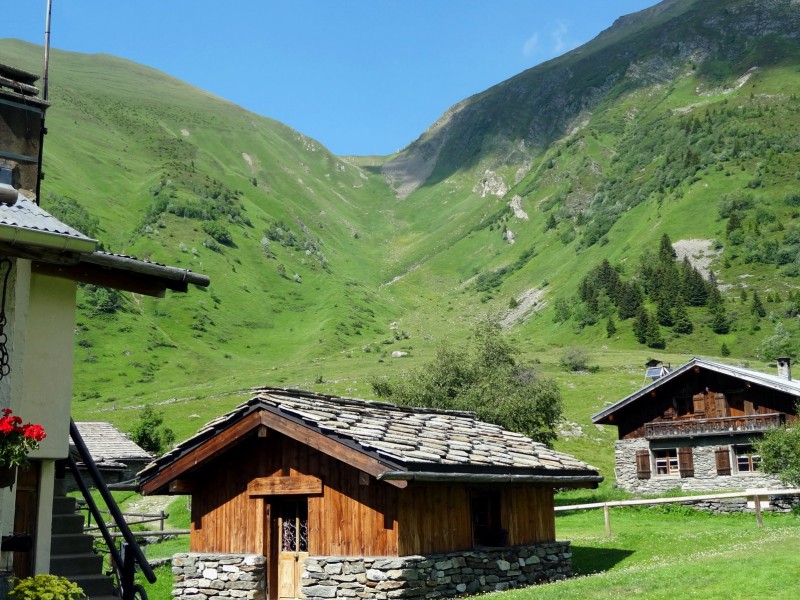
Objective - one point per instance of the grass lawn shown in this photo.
(673, 552)
(658, 553)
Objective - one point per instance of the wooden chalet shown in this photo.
(694, 427)
(293, 474)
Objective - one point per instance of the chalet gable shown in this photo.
(748, 377)
(391, 443)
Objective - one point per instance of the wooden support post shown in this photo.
(607, 518)
(757, 504)
(161, 521)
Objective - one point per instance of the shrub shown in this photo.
(218, 232)
(575, 359)
(52, 587)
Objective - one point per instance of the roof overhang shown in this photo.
(123, 273)
(563, 480)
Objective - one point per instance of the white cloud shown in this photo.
(531, 45)
(558, 36)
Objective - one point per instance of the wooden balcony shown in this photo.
(717, 426)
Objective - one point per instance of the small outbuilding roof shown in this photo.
(106, 443)
(394, 443)
(774, 382)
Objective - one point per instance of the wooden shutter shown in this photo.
(722, 405)
(643, 464)
(685, 462)
(699, 401)
(723, 461)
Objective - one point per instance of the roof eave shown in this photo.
(588, 479)
(23, 237)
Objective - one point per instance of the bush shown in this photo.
(51, 587)
(575, 359)
(218, 233)
(150, 432)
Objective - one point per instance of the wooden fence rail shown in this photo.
(756, 495)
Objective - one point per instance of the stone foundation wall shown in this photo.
(212, 576)
(705, 470)
(434, 576)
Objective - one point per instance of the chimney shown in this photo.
(21, 130)
(784, 367)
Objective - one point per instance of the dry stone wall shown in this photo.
(218, 576)
(440, 575)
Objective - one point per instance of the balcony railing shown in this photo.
(717, 426)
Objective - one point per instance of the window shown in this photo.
(747, 461)
(293, 526)
(666, 461)
(486, 530)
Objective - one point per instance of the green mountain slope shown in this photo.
(681, 119)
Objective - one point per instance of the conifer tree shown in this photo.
(653, 337)
(724, 350)
(720, 323)
(629, 300)
(641, 325)
(682, 322)
(757, 308)
(666, 253)
(611, 327)
(693, 287)
(663, 313)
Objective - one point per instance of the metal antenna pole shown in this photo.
(46, 50)
(45, 80)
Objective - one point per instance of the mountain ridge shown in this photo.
(320, 273)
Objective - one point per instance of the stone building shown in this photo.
(693, 428)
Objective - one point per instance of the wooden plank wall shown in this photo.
(348, 519)
(434, 518)
(527, 513)
(438, 518)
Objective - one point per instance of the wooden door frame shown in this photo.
(272, 538)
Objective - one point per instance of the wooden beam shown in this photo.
(284, 486)
(328, 446)
(182, 486)
(203, 453)
(120, 280)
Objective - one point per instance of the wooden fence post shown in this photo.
(161, 521)
(607, 519)
(757, 504)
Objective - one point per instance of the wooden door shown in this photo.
(25, 514)
(292, 529)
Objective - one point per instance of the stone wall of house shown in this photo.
(217, 576)
(434, 576)
(705, 470)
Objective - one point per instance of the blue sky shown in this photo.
(360, 76)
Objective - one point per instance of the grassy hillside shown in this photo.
(319, 271)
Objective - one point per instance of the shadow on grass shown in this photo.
(587, 561)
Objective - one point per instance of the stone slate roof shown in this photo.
(402, 438)
(27, 215)
(773, 382)
(107, 444)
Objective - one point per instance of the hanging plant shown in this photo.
(17, 439)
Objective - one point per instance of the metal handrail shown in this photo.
(126, 566)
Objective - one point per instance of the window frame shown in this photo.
(751, 459)
(665, 462)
